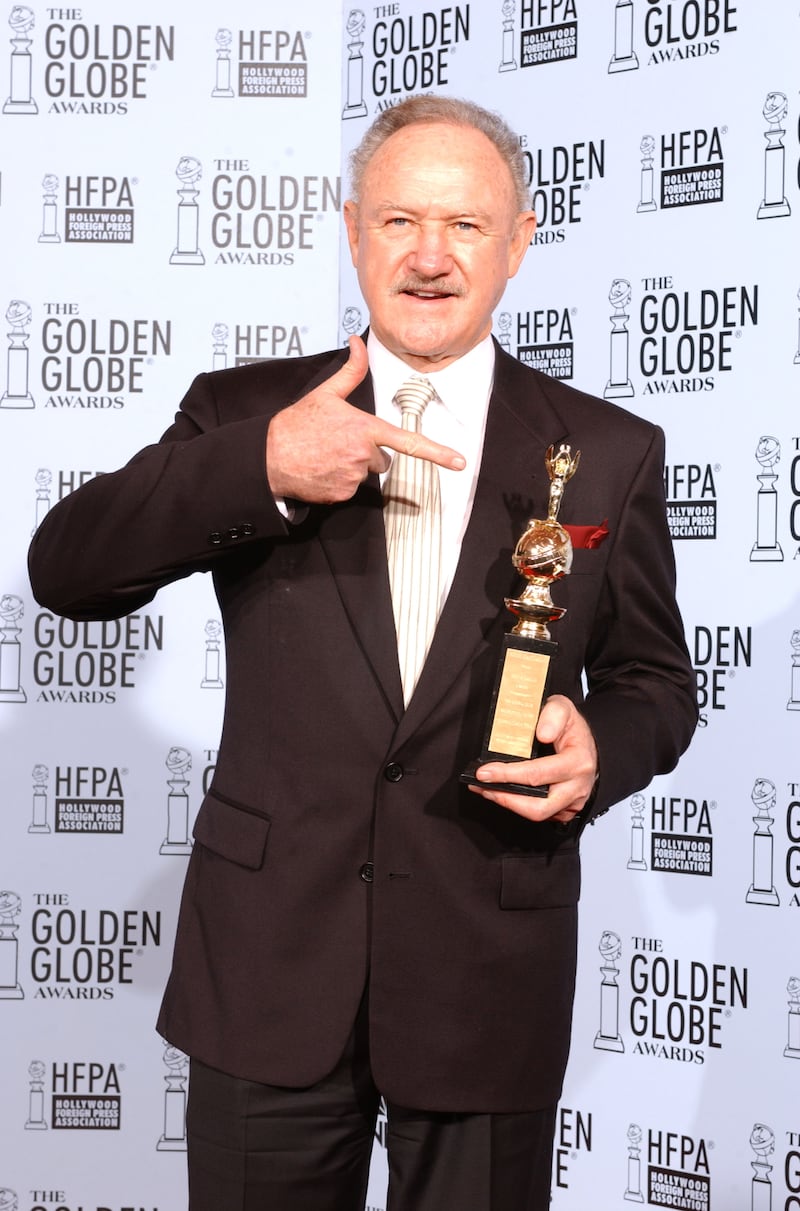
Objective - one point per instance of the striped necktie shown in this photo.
(413, 519)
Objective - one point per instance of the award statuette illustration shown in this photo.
(542, 556)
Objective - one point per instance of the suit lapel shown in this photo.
(353, 538)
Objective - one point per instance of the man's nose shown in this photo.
(431, 254)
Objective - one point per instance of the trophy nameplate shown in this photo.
(542, 556)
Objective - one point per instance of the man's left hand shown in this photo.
(570, 771)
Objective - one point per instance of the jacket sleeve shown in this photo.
(642, 696)
(175, 508)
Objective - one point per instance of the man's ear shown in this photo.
(350, 212)
(524, 229)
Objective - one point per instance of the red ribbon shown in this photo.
(587, 537)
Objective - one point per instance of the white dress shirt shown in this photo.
(456, 418)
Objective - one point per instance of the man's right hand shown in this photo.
(320, 449)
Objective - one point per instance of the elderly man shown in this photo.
(357, 922)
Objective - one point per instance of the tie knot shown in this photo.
(414, 395)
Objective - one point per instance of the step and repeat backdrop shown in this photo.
(170, 194)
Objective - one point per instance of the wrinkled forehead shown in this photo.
(440, 156)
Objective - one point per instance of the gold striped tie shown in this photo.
(413, 519)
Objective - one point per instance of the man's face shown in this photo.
(434, 238)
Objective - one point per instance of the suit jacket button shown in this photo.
(393, 772)
(215, 538)
(367, 872)
(247, 529)
(233, 533)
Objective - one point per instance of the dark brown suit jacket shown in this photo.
(465, 934)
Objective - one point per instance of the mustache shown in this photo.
(441, 286)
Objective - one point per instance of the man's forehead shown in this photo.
(443, 148)
(448, 134)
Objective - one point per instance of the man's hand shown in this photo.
(570, 772)
(320, 449)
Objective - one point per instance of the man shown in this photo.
(355, 920)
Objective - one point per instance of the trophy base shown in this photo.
(17, 401)
(774, 210)
(20, 107)
(187, 258)
(761, 895)
(629, 63)
(605, 1042)
(175, 847)
(12, 993)
(166, 1145)
(520, 688)
(513, 788)
(766, 554)
(619, 390)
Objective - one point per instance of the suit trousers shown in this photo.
(255, 1147)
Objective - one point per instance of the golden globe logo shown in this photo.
(688, 336)
(263, 219)
(86, 954)
(88, 662)
(686, 29)
(679, 1005)
(99, 69)
(412, 53)
(97, 362)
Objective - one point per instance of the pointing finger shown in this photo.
(417, 445)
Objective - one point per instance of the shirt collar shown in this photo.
(467, 378)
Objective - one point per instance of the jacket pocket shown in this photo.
(542, 880)
(232, 832)
(588, 562)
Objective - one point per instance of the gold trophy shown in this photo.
(543, 555)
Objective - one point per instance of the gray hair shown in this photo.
(428, 109)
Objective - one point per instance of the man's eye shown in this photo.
(463, 225)
(398, 222)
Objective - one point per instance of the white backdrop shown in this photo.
(170, 202)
